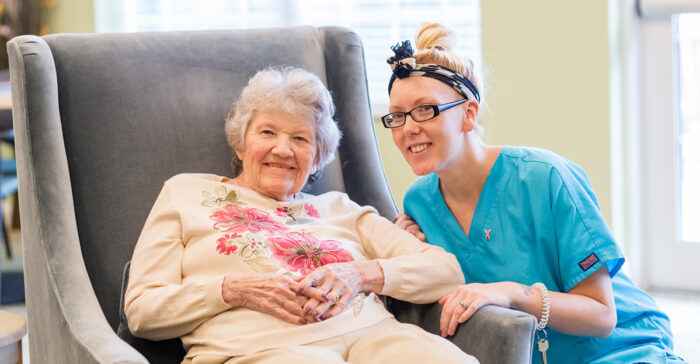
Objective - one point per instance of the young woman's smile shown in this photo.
(427, 146)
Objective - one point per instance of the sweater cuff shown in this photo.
(392, 277)
(212, 295)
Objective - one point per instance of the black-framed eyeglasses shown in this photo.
(419, 113)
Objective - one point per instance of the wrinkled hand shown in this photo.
(329, 289)
(265, 292)
(405, 222)
(474, 296)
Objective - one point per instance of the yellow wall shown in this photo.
(71, 16)
(547, 86)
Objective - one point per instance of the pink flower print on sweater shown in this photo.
(227, 244)
(237, 219)
(285, 211)
(298, 214)
(311, 211)
(303, 252)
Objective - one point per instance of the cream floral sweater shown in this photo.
(202, 228)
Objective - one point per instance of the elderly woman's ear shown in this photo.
(317, 165)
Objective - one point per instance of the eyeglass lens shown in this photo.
(420, 113)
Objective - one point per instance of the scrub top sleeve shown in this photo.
(584, 241)
(414, 199)
(412, 206)
(419, 203)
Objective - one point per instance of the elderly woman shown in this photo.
(249, 269)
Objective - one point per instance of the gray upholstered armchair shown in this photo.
(102, 120)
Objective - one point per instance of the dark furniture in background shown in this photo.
(11, 282)
(102, 120)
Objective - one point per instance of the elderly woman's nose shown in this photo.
(283, 147)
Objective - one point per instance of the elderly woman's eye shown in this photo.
(301, 139)
(267, 132)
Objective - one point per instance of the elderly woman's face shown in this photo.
(280, 154)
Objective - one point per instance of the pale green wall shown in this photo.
(72, 16)
(549, 76)
(547, 79)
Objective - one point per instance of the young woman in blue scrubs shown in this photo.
(523, 222)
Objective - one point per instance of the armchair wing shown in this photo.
(65, 319)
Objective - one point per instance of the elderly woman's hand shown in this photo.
(405, 222)
(265, 292)
(332, 286)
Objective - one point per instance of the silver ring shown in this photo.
(464, 305)
(332, 298)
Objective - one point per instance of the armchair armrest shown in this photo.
(71, 313)
(493, 335)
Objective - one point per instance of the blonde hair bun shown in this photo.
(435, 35)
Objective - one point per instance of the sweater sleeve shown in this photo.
(158, 305)
(413, 271)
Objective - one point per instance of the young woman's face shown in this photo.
(279, 155)
(428, 146)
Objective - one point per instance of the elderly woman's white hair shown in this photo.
(292, 90)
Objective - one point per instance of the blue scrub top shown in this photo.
(538, 220)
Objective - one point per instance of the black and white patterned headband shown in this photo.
(404, 65)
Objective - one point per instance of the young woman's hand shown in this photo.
(330, 288)
(587, 309)
(462, 303)
(405, 222)
(270, 293)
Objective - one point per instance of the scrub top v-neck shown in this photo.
(452, 237)
(538, 220)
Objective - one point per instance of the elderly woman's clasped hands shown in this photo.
(320, 295)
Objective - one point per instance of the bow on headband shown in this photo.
(402, 62)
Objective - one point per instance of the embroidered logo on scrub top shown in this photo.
(487, 234)
(587, 263)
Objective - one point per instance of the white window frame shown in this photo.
(644, 125)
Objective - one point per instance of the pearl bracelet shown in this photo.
(545, 305)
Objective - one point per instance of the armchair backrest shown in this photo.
(102, 120)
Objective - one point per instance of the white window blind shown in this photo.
(378, 23)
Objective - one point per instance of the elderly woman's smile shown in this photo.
(279, 154)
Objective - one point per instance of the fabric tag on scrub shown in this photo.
(590, 261)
